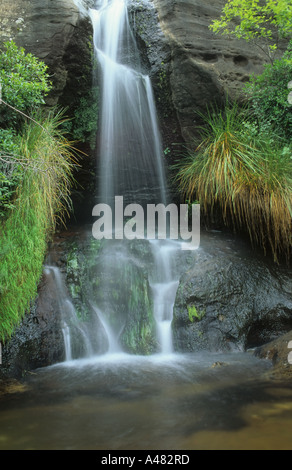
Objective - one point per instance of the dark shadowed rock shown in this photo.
(38, 341)
(231, 299)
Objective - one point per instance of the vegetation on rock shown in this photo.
(243, 175)
(36, 174)
(24, 81)
(242, 168)
(265, 22)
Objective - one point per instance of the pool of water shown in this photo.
(121, 402)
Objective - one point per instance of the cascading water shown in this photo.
(68, 315)
(164, 286)
(130, 148)
(130, 165)
(130, 151)
(109, 399)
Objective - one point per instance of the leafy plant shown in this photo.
(255, 20)
(10, 171)
(268, 97)
(24, 80)
(84, 123)
(195, 314)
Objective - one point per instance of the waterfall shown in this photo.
(130, 148)
(67, 342)
(130, 164)
(68, 316)
(164, 285)
(113, 345)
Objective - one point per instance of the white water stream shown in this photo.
(67, 313)
(130, 148)
(130, 163)
(164, 286)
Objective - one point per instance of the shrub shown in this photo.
(25, 83)
(10, 171)
(263, 22)
(268, 97)
(246, 177)
(84, 123)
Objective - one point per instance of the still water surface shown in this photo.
(186, 402)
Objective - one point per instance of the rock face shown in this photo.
(204, 67)
(231, 299)
(109, 286)
(228, 299)
(44, 28)
(155, 51)
(189, 65)
(38, 341)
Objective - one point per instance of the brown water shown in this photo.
(125, 403)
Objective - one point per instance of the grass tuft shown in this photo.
(247, 177)
(42, 200)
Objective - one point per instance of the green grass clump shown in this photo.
(41, 200)
(246, 178)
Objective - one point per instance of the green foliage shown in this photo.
(42, 199)
(245, 176)
(84, 124)
(268, 97)
(194, 314)
(24, 80)
(10, 171)
(255, 19)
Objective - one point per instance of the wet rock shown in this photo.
(279, 352)
(108, 281)
(246, 300)
(229, 299)
(38, 340)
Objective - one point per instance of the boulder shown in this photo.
(279, 353)
(231, 299)
(38, 340)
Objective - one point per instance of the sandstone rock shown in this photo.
(205, 67)
(43, 28)
(279, 352)
(231, 299)
(189, 65)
